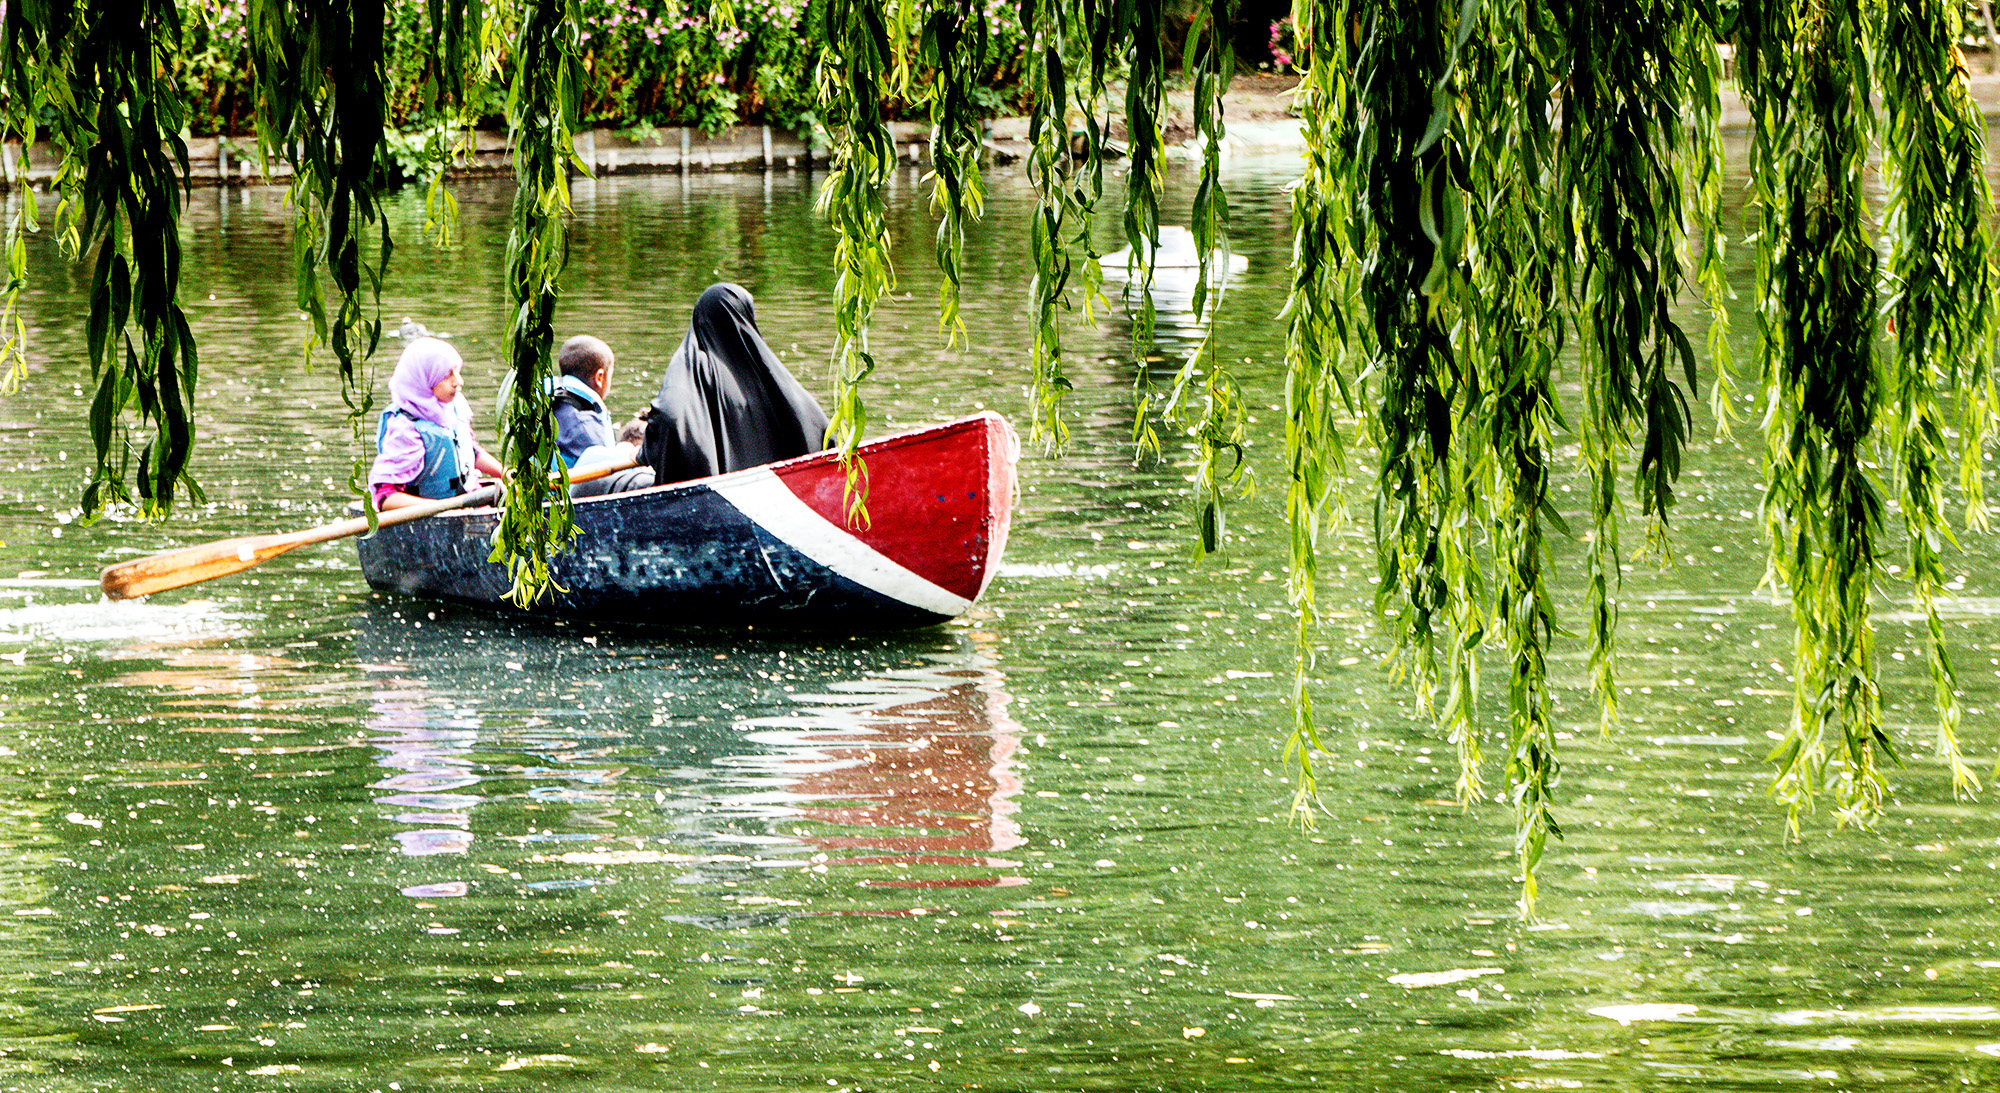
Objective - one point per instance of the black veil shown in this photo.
(726, 401)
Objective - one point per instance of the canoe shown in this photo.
(766, 545)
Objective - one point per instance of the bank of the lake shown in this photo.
(1258, 120)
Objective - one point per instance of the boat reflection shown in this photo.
(455, 717)
(916, 764)
(431, 758)
(891, 757)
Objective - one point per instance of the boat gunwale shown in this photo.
(918, 434)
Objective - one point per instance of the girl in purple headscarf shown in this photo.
(424, 444)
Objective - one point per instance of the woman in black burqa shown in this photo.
(726, 401)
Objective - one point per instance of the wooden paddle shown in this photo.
(195, 564)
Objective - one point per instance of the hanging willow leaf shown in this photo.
(1940, 304)
(1317, 343)
(541, 115)
(464, 46)
(100, 79)
(1806, 78)
(1479, 227)
(1138, 24)
(1624, 134)
(459, 50)
(955, 42)
(23, 222)
(854, 77)
(1409, 291)
(1213, 68)
(1510, 414)
(321, 107)
(1066, 167)
(1205, 398)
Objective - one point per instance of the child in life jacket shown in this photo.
(585, 437)
(424, 445)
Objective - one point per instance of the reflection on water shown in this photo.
(914, 763)
(432, 758)
(905, 770)
(1179, 327)
(50, 614)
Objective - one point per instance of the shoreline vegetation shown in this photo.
(662, 87)
(1257, 111)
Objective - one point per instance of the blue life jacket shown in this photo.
(582, 422)
(447, 457)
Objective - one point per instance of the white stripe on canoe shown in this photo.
(764, 498)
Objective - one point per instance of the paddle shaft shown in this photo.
(195, 564)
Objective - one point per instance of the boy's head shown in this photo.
(587, 359)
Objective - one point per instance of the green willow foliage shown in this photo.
(855, 78)
(1138, 23)
(323, 112)
(1806, 77)
(1941, 271)
(1810, 72)
(96, 79)
(1639, 91)
(954, 45)
(1480, 236)
(541, 116)
(1205, 394)
(1514, 279)
(1068, 190)
(1492, 192)
(1317, 396)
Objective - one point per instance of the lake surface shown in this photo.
(279, 832)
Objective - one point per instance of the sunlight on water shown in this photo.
(132, 625)
(277, 832)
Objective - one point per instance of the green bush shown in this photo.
(704, 63)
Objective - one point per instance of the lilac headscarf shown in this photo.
(424, 363)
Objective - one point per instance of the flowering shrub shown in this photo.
(215, 65)
(702, 63)
(1283, 42)
(705, 63)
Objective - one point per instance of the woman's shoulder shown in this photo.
(398, 419)
(403, 430)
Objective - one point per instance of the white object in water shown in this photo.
(412, 330)
(1644, 1011)
(1174, 250)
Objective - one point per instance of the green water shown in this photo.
(277, 832)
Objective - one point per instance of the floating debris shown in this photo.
(1644, 1011)
(1439, 979)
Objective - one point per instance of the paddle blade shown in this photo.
(176, 568)
(195, 564)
